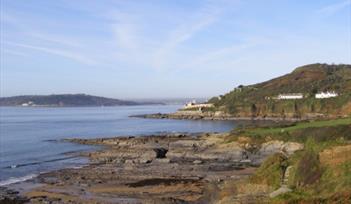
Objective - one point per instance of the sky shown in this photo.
(164, 48)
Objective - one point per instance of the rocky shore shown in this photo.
(199, 115)
(172, 168)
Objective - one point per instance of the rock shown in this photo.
(160, 152)
(129, 161)
(117, 161)
(291, 147)
(145, 161)
(50, 180)
(183, 168)
(197, 162)
(245, 161)
(245, 155)
(219, 114)
(271, 147)
(185, 144)
(276, 146)
(163, 160)
(287, 175)
(11, 196)
(281, 190)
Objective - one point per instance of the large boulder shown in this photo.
(276, 146)
(160, 152)
(271, 147)
(291, 147)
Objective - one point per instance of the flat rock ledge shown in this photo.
(198, 115)
(175, 168)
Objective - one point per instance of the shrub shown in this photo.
(271, 171)
(308, 169)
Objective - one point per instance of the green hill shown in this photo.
(260, 100)
(65, 100)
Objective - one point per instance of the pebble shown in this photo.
(197, 162)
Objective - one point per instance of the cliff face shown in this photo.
(260, 100)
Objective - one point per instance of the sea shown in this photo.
(31, 138)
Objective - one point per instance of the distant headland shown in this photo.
(67, 100)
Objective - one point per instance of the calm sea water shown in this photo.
(30, 137)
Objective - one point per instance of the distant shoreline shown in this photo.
(63, 100)
(57, 106)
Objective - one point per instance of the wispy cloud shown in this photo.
(164, 42)
(333, 8)
(124, 35)
(218, 55)
(37, 39)
(62, 53)
(124, 30)
(60, 40)
(127, 39)
(185, 31)
(12, 52)
(27, 29)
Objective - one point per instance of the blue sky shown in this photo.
(164, 48)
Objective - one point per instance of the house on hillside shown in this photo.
(290, 96)
(194, 105)
(327, 94)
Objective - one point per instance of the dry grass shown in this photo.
(336, 155)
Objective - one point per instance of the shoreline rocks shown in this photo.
(198, 115)
(10, 196)
(173, 168)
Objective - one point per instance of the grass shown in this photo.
(316, 176)
(301, 125)
(310, 180)
(329, 188)
(271, 171)
(325, 133)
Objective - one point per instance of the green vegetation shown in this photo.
(325, 133)
(271, 171)
(258, 100)
(308, 169)
(320, 173)
(302, 125)
(314, 182)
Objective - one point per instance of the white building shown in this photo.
(190, 104)
(193, 104)
(290, 96)
(30, 103)
(326, 94)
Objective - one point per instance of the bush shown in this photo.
(308, 169)
(271, 171)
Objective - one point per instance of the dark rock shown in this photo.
(160, 152)
(244, 155)
(11, 197)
